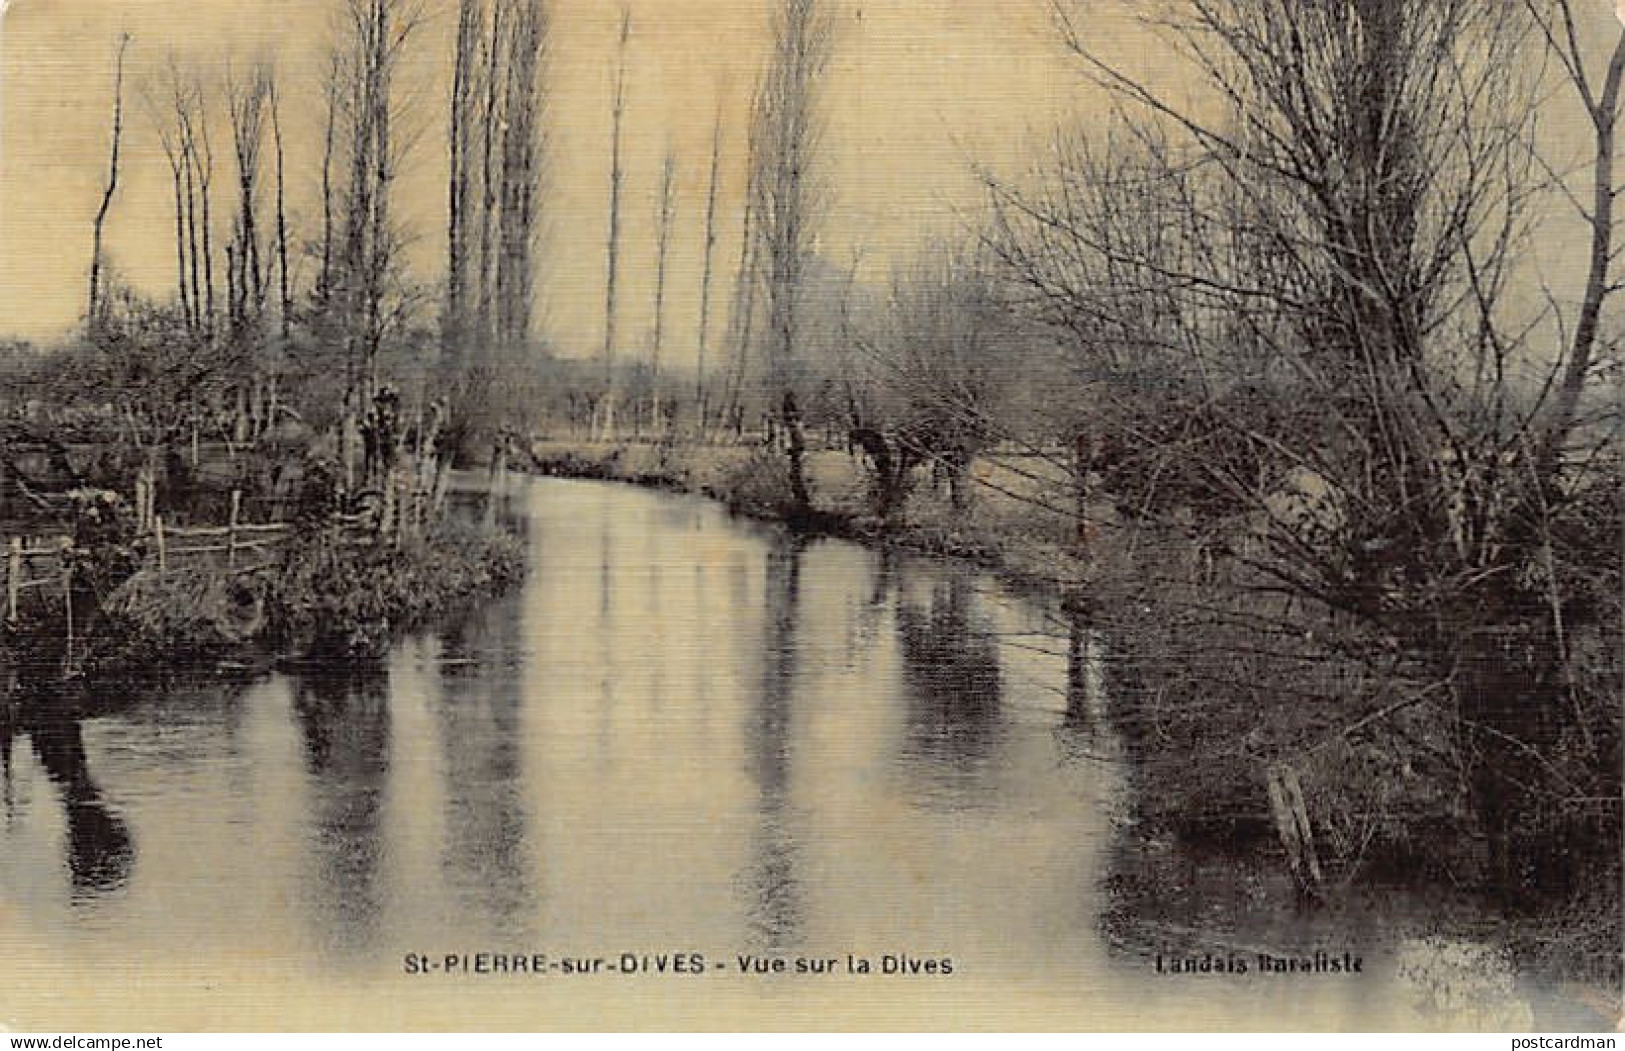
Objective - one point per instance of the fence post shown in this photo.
(231, 529)
(158, 535)
(496, 481)
(413, 486)
(398, 488)
(14, 576)
(442, 480)
(67, 602)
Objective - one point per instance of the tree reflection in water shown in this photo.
(485, 856)
(8, 732)
(343, 717)
(1085, 688)
(99, 846)
(952, 685)
(773, 894)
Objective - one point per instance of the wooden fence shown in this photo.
(41, 562)
(21, 559)
(407, 500)
(47, 564)
(407, 497)
(235, 539)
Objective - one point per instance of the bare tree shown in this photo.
(373, 36)
(941, 357)
(324, 282)
(705, 274)
(186, 103)
(742, 318)
(613, 240)
(789, 197)
(285, 306)
(1365, 187)
(1600, 98)
(247, 106)
(462, 182)
(169, 138)
(197, 134)
(497, 146)
(668, 206)
(490, 178)
(93, 304)
(522, 164)
(1315, 273)
(176, 120)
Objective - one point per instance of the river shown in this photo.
(686, 737)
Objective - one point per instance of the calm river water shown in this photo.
(686, 734)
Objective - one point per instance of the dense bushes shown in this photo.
(759, 485)
(173, 616)
(331, 598)
(328, 594)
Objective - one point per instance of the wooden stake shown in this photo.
(14, 576)
(231, 528)
(67, 601)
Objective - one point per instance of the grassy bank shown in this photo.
(323, 596)
(1007, 529)
(331, 600)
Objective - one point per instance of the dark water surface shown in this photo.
(685, 734)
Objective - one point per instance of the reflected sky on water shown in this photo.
(685, 733)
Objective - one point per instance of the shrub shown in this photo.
(333, 599)
(759, 485)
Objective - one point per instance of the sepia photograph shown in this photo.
(812, 515)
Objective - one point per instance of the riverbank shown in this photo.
(1009, 529)
(323, 597)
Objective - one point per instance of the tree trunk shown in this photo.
(286, 305)
(796, 449)
(1604, 113)
(784, 143)
(470, 31)
(667, 207)
(488, 176)
(195, 309)
(180, 238)
(614, 237)
(325, 281)
(93, 307)
(705, 276)
(521, 160)
(195, 134)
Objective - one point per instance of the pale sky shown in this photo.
(918, 89)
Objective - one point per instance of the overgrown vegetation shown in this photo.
(328, 599)
(326, 594)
